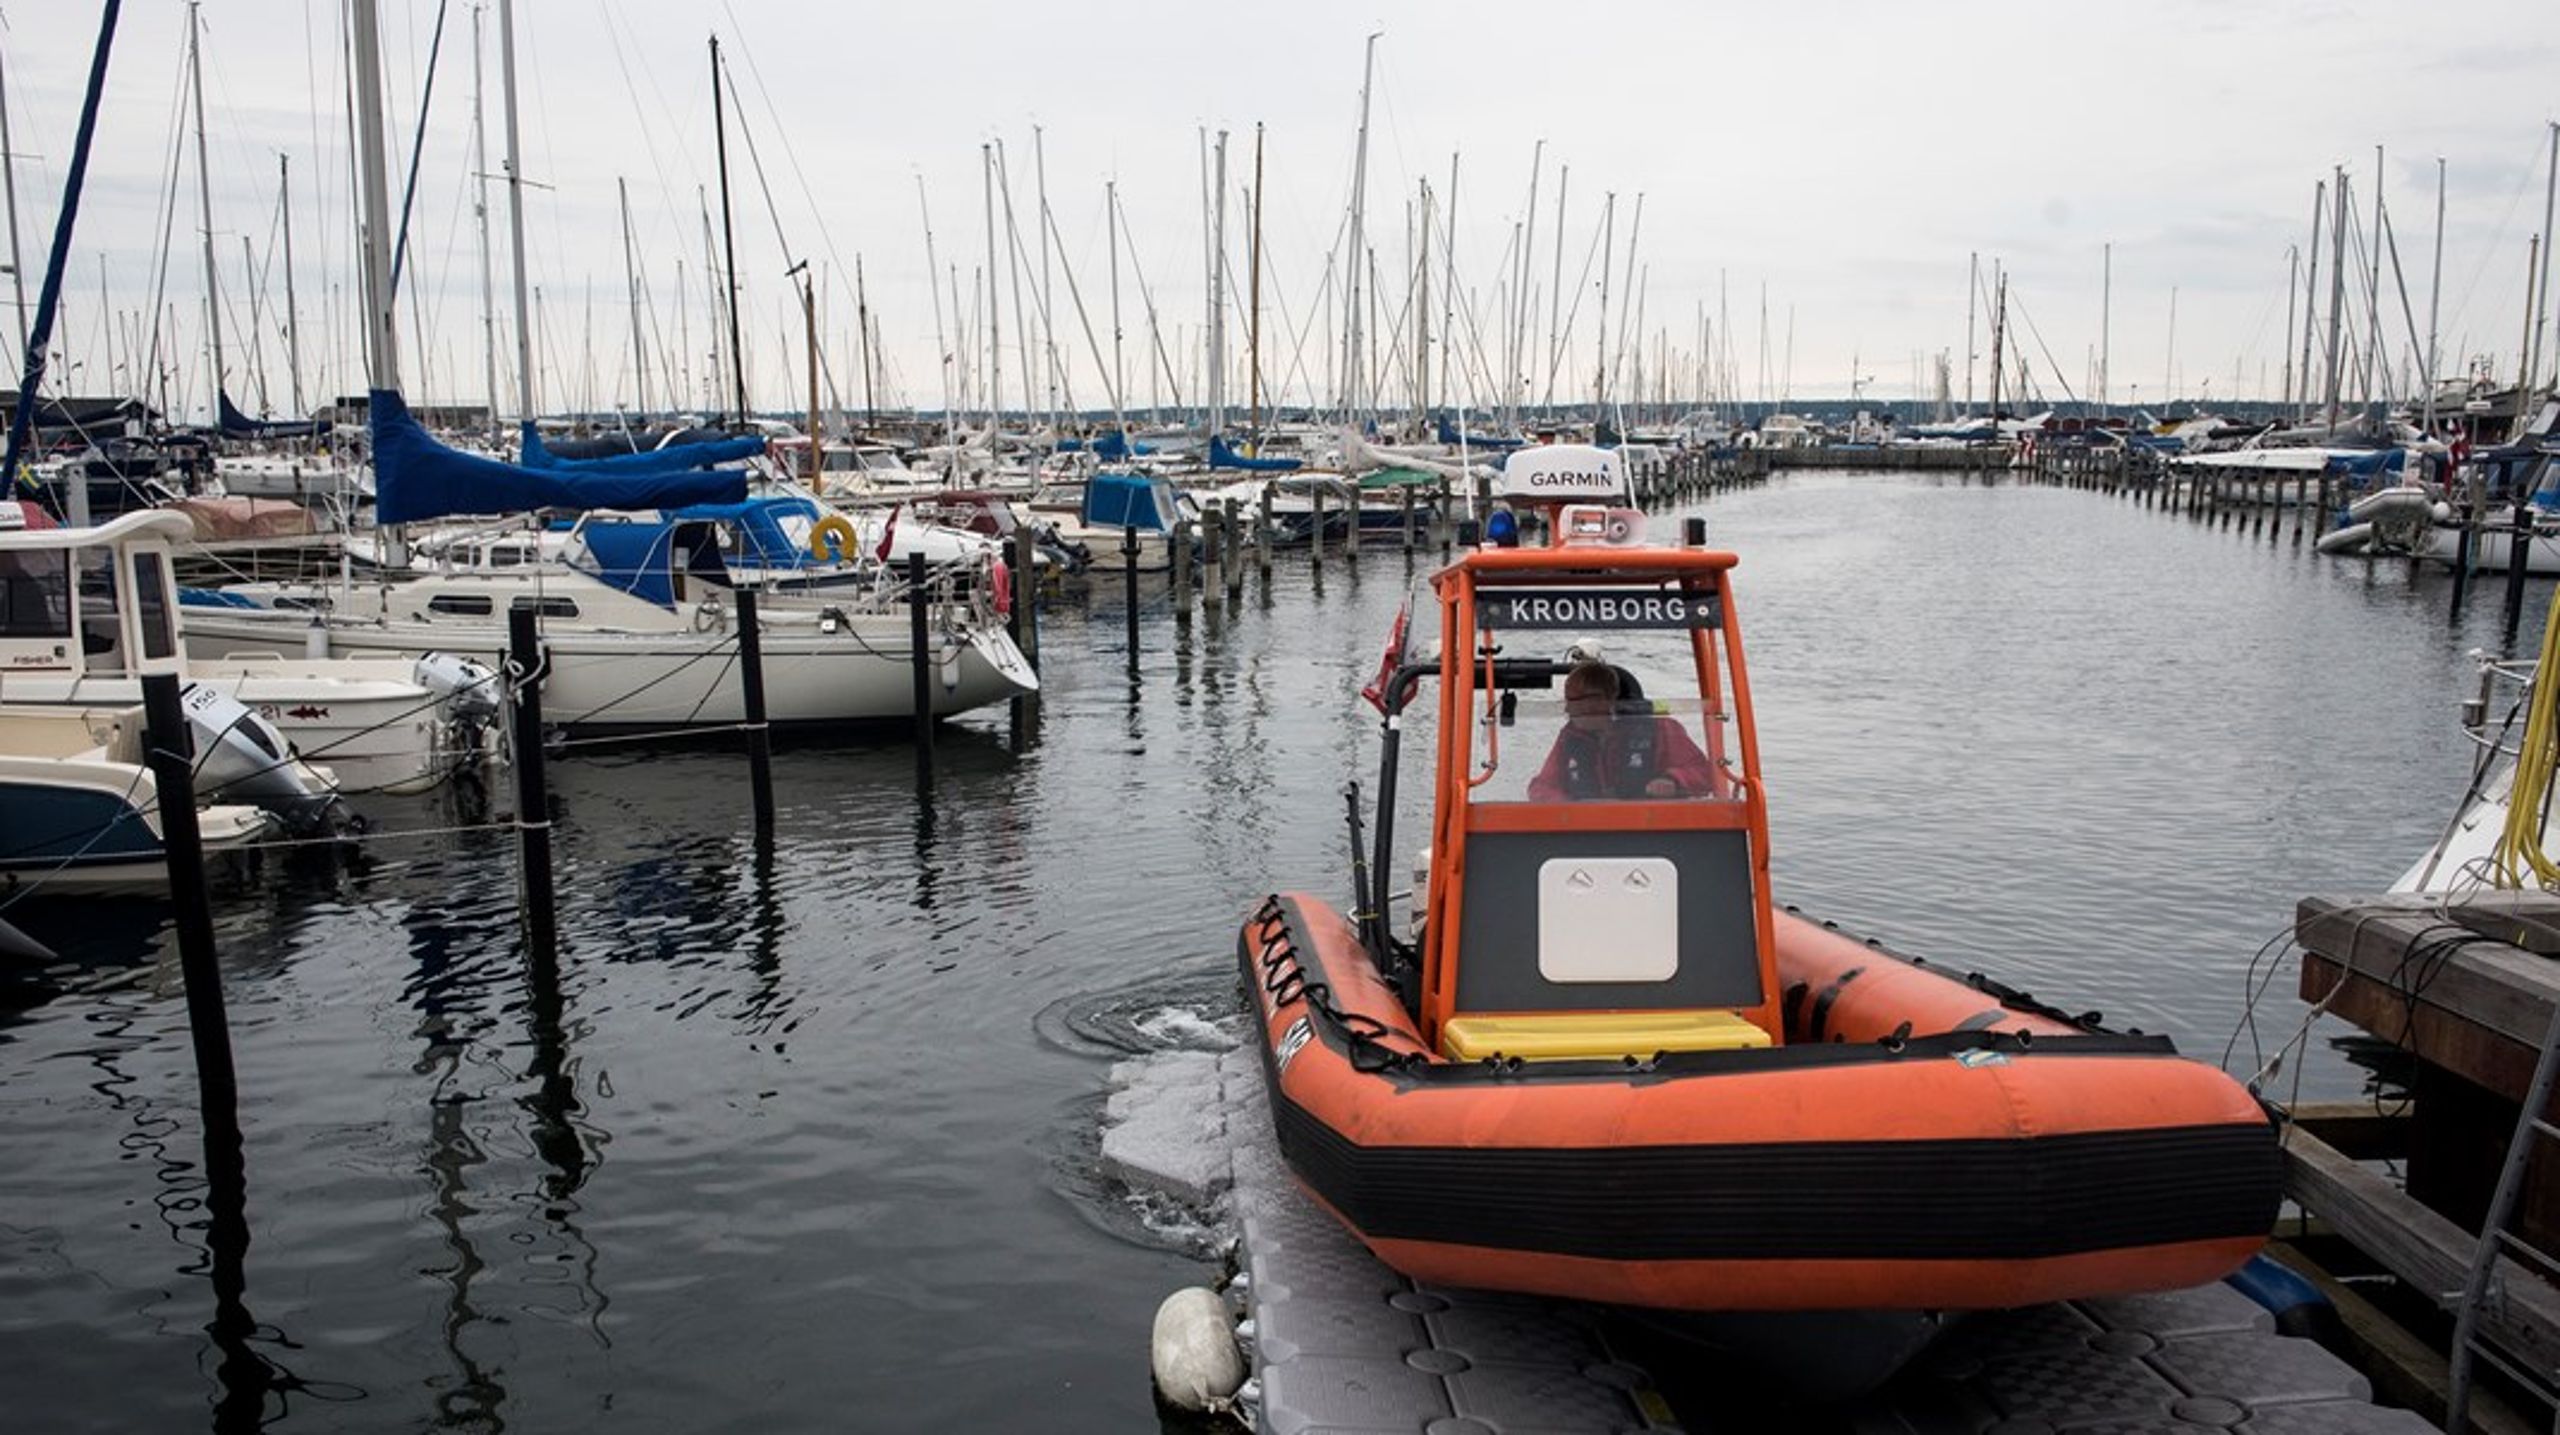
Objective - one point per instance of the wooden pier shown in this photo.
(2466, 986)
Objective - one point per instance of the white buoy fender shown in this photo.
(1194, 1354)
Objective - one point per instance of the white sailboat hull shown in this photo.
(605, 682)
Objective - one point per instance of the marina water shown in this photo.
(808, 1141)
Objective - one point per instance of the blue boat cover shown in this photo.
(1221, 456)
(236, 424)
(416, 478)
(638, 555)
(1125, 500)
(1110, 448)
(674, 458)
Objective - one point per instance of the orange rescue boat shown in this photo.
(1603, 1066)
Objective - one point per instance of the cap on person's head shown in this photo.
(1591, 680)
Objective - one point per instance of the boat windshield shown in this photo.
(1629, 727)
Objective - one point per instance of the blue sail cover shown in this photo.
(236, 424)
(2369, 465)
(674, 458)
(1221, 456)
(1449, 435)
(416, 478)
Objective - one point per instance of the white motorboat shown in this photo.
(86, 611)
(618, 663)
(79, 811)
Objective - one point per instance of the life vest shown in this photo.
(1616, 761)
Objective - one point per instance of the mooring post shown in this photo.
(1213, 557)
(1315, 534)
(751, 684)
(920, 661)
(1235, 551)
(1351, 519)
(533, 797)
(1025, 619)
(1262, 536)
(2519, 553)
(1129, 587)
(1404, 514)
(172, 761)
(2466, 540)
(1178, 553)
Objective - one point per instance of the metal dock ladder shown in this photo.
(2485, 1289)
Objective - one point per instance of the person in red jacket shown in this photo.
(1615, 746)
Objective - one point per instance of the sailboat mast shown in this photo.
(631, 284)
(9, 187)
(862, 317)
(1352, 367)
(1555, 287)
(1253, 268)
(1972, 287)
(2310, 297)
(2107, 314)
(932, 284)
(382, 345)
(49, 297)
(2373, 298)
(292, 316)
(728, 235)
(2435, 296)
(1517, 390)
(2542, 309)
(1048, 309)
(515, 208)
(1218, 296)
(204, 203)
(2337, 293)
(1111, 242)
(995, 322)
(1600, 346)
(1422, 315)
(2292, 273)
(480, 220)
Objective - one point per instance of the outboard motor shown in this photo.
(469, 689)
(471, 696)
(240, 757)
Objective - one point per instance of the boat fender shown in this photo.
(1193, 1351)
(1821, 1015)
(832, 539)
(2300, 1307)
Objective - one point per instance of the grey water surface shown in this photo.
(807, 1141)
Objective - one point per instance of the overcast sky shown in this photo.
(1844, 158)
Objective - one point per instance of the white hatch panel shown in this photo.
(1608, 919)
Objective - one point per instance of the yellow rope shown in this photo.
(2519, 849)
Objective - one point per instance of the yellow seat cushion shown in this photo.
(1585, 1035)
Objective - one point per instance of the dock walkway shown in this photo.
(1341, 1345)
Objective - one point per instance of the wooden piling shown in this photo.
(751, 688)
(1213, 557)
(920, 663)
(1262, 536)
(2519, 553)
(172, 763)
(533, 797)
(1129, 588)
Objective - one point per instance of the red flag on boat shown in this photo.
(888, 530)
(1391, 659)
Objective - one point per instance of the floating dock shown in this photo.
(1340, 1345)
